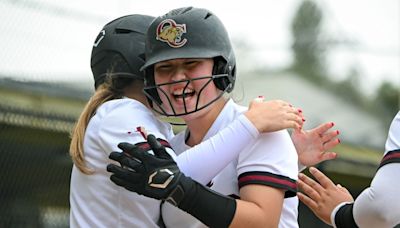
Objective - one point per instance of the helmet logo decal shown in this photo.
(99, 38)
(170, 32)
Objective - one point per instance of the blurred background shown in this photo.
(337, 60)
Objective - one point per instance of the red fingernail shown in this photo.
(333, 124)
(337, 132)
(262, 97)
(304, 120)
(300, 110)
(338, 140)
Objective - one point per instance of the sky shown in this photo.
(51, 40)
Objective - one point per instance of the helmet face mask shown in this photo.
(167, 108)
(188, 33)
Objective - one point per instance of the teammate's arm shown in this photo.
(159, 177)
(376, 206)
(207, 159)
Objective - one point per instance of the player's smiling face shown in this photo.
(186, 83)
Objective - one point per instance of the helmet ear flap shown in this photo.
(150, 90)
(222, 67)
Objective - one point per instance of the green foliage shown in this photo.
(387, 100)
(308, 48)
(309, 51)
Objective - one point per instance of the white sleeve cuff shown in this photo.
(248, 125)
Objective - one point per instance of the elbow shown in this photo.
(381, 211)
(386, 215)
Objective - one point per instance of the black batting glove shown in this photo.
(156, 176)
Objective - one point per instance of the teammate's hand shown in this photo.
(313, 145)
(275, 115)
(323, 196)
(155, 176)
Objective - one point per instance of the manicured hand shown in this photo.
(274, 115)
(313, 145)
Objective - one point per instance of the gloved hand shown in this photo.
(156, 176)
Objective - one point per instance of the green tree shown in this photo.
(308, 47)
(388, 100)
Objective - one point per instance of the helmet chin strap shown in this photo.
(160, 107)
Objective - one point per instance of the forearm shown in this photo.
(217, 210)
(210, 207)
(204, 161)
(378, 205)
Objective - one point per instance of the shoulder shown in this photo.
(272, 152)
(271, 161)
(124, 116)
(117, 105)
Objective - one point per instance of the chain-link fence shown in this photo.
(34, 168)
(36, 118)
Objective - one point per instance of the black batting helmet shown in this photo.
(189, 33)
(122, 39)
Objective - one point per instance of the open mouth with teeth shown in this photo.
(188, 93)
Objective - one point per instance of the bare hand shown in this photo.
(322, 196)
(275, 115)
(312, 146)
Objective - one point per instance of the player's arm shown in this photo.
(265, 180)
(378, 205)
(206, 160)
(158, 176)
(260, 206)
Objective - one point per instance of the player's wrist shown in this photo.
(181, 194)
(199, 200)
(249, 126)
(344, 216)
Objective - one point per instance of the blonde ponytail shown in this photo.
(103, 94)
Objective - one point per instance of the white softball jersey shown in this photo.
(97, 202)
(271, 160)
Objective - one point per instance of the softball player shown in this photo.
(376, 206)
(118, 111)
(189, 65)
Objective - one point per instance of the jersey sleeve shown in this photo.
(126, 123)
(204, 161)
(378, 205)
(271, 161)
